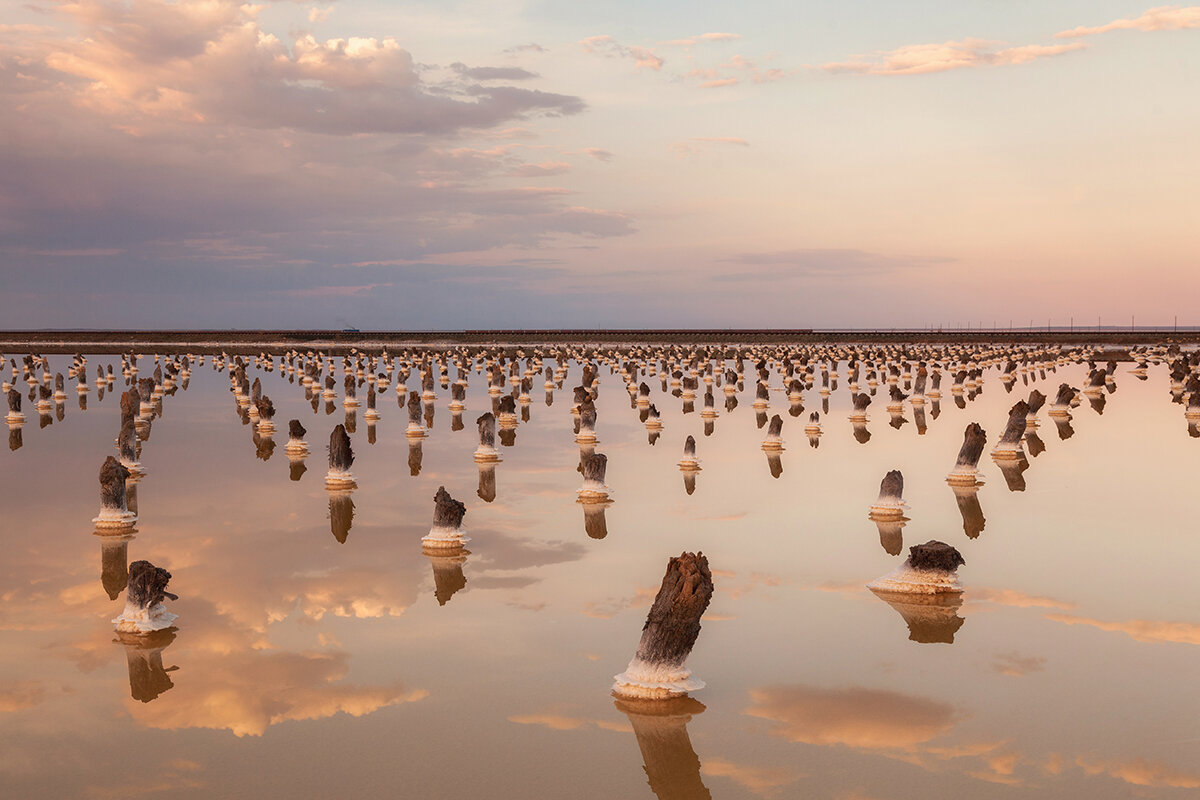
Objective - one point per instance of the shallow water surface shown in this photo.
(311, 661)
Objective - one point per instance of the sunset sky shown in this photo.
(401, 165)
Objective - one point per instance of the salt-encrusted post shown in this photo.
(860, 401)
(295, 443)
(114, 513)
(341, 458)
(890, 502)
(14, 416)
(593, 467)
(689, 462)
(966, 466)
(1009, 446)
(658, 669)
(929, 569)
(447, 531)
(774, 438)
(415, 429)
(144, 611)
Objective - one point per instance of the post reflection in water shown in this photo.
(594, 521)
(448, 575)
(114, 561)
(341, 514)
(487, 481)
(668, 758)
(1013, 470)
(775, 458)
(891, 532)
(148, 678)
(967, 498)
(415, 454)
(931, 618)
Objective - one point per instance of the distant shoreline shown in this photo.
(106, 341)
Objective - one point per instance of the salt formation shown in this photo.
(458, 397)
(813, 428)
(966, 466)
(296, 446)
(266, 415)
(710, 405)
(486, 451)
(127, 448)
(689, 462)
(774, 437)
(1192, 390)
(1035, 403)
(593, 466)
(860, 402)
(447, 531)
(144, 611)
(658, 671)
(1009, 446)
(341, 458)
(350, 385)
(372, 413)
(1063, 401)
(890, 502)
(14, 416)
(587, 421)
(114, 513)
(507, 418)
(918, 393)
(762, 395)
(929, 569)
(45, 400)
(653, 419)
(415, 429)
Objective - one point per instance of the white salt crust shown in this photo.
(655, 682)
(906, 580)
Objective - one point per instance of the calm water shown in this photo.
(307, 667)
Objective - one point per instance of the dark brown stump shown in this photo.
(936, 556)
(341, 455)
(112, 484)
(448, 513)
(673, 624)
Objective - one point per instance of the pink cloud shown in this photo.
(1163, 18)
(643, 58)
(698, 143)
(704, 37)
(919, 59)
(1140, 772)
(543, 170)
(717, 84)
(1140, 630)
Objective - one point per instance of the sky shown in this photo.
(450, 165)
